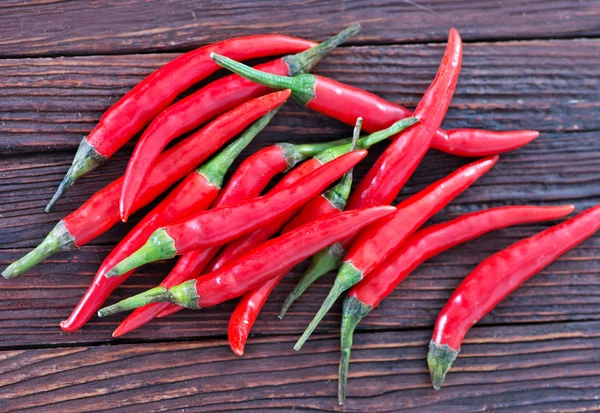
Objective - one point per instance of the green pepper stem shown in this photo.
(86, 159)
(353, 312)
(304, 62)
(59, 239)
(439, 359)
(324, 261)
(159, 246)
(346, 278)
(338, 195)
(183, 294)
(302, 85)
(214, 170)
(368, 141)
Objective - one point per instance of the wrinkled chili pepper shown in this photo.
(381, 239)
(254, 268)
(221, 225)
(424, 244)
(195, 193)
(324, 95)
(245, 313)
(191, 112)
(247, 182)
(101, 211)
(147, 99)
(494, 279)
(393, 168)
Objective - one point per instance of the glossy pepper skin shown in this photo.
(254, 268)
(221, 225)
(208, 102)
(380, 186)
(147, 99)
(101, 211)
(376, 243)
(393, 168)
(243, 244)
(245, 313)
(494, 279)
(424, 244)
(247, 182)
(324, 95)
(195, 193)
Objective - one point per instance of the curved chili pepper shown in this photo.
(196, 109)
(494, 279)
(247, 182)
(424, 244)
(195, 193)
(221, 225)
(324, 95)
(101, 212)
(256, 267)
(379, 241)
(387, 176)
(243, 244)
(245, 313)
(249, 241)
(148, 98)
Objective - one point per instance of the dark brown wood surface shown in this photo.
(526, 65)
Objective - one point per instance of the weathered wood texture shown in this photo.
(537, 351)
(494, 91)
(56, 27)
(530, 368)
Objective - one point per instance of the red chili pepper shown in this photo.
(203, 105)
(101, 212)
(424, 244)
(379, 241)
(221, 225)
(247, 182)
(494, 279)
(256, 267)
(392, 169)
(195, 193)
(243, 317)
(324, 95)
(148, 98)
(243, 244)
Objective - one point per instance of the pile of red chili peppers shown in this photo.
(235, 241)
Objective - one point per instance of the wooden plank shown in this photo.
(566, 291)
(518, 368)
(58, 28)
(49, 104)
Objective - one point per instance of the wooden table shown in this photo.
(527, 64)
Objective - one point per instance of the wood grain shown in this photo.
(524, 368)
(49, 104)
(55, 27)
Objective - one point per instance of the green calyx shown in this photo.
(183, 294)
(367, 141)
(159, 246)
(59, 239)
(214, 170)
(353, 312)
(439, 360)
(346, 278)
(302, 85)
(86, 160)
(297, 153)
(324, 261)
(304, 62)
